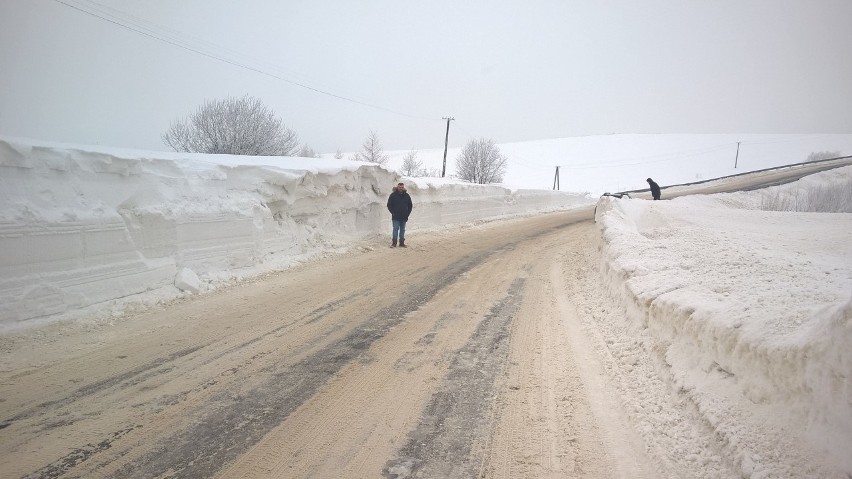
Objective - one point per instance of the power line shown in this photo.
(469, 134)
(527, 163)
(670, 156)
(181, 44)
(175, 35)
(784, 140)
(693, 152)
(675, 155)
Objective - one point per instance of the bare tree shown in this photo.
(236, 126)
(410, 165)
(480, 161)
(372, 150)
(338, 154)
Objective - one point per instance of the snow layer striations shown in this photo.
(748, 312)
(84, 226)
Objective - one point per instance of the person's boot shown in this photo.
(393, 245)
(402, 244)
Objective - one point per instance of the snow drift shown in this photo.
(80, 226)
(749, 313)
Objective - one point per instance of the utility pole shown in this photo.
(556, 179)
(738, 155)
(446, 140)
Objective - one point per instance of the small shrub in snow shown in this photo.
(826, 198)
(372, 151)
(307, 152)
(831, 198)
(410, 165)
(431, 172)
(823, 155)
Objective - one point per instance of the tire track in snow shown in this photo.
(442, 444)
(236, 423)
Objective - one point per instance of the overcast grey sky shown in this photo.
(507, 70)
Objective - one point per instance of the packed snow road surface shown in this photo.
(460, 356)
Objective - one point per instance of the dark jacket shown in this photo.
(655, 189)
(399, 204)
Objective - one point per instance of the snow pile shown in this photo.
(80, 226)
(749, 312)
(440, 202)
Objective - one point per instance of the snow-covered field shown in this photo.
(610, 163)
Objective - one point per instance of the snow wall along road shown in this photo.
(82, 226)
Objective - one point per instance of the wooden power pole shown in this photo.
(556, 179)
(738, 155)
(446, 140)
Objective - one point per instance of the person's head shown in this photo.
(400, 186)
(649, 180)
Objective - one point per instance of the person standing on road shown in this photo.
(655, 188)
(400, 206)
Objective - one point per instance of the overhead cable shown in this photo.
(192, 48)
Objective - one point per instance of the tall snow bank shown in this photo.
(751, 316)
(80, 226)
(439, 202)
